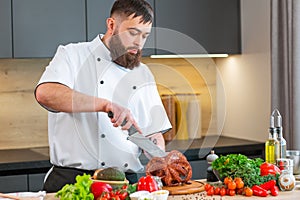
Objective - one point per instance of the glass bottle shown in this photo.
(286, 180)
(272, 147)
(282, 143)
(278, 129)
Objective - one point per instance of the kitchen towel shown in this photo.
(25, 195)
(194, 119)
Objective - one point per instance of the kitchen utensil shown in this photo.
(295, 156)
(142, 141)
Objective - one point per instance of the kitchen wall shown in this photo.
(244, 78)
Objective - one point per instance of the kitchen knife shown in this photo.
(141, 141)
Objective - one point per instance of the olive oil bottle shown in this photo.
(272, 148)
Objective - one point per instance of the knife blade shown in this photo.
(141, 141)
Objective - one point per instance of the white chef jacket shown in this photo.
(89, 140)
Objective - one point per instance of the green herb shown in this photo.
(132, 188)
(78, 191)
(238, 165)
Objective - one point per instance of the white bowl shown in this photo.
(139, 194)
(160, 194)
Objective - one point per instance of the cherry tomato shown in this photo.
(124, 187)
(227, 180)
(210, 192)
(231, 185)
(239, 184)
(217, 191)
(237, 179)
(248, 192)
(207, 187)
(223, 191)
(231, 192)
(106, 195)
(240, 191)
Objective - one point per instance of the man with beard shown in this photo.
(84, 82)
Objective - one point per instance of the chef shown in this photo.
(84, 81)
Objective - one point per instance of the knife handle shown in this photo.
(131, 130)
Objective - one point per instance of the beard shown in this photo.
(120, 55)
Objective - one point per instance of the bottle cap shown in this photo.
(211, 157)
(276, 119)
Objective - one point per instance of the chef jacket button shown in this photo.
(134, 87)
(101, 82)
(98, 59)
(103, 163)
(127, 138)
(126, 165)
(102, 135)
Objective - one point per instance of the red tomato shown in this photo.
(210, 192)
(123, 195)
(223, 191)
(207, 187)
(231, 192)
(217, 191)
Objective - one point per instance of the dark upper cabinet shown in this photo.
(5, 29)
(197, 26)
(39, 26)
(98, 12)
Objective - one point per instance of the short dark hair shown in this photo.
(136, 7)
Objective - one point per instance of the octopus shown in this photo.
(174, 169)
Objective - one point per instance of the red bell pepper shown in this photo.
(258, 191)
(274, 191)
(268, 168)
(147, 183)
(98, 188)
(268, 185)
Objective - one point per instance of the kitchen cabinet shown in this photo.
(98, 12)
(39, 26)
(36, 182)
(13, 183)
(5, 29)
(193, 27)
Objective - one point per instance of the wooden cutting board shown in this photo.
(194, 187)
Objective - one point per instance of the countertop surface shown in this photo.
(36, 160)
(290, 195)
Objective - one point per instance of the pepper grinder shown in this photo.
(210, 176)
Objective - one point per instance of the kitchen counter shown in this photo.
(291, 195)
(36, 160)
